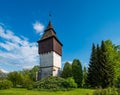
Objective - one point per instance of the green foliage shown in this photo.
(93, 78)
(23, 78)
(29, 87)
(117, 82)
(101, 69)
(50, 83)
(70, 83)
(67, 70)
(116, 60)
(84, 82)
(15, 78)
(2, 75)
(55, 83)
(108, 91)
(77, 72)
(33, 73)
(26, 82)
(106, 64)
(5, 84)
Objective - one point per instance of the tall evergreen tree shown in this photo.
(101, 70)
(67, 70)
(107, 69)
(98, 67)
(114, 57)
(117, 65)
(77, 72)
(92, 77)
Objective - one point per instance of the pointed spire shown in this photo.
(49, 25)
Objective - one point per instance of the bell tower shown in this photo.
(50, 51)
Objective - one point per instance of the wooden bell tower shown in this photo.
(50, 51)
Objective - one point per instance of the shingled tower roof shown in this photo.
(49, 32)
(49, 25)
(49, 41)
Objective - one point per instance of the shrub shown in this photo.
(55, 83)
(118, 90)
(51, 83)
(5, 84)
(70, 83)
(108, 91)
(26, 82)
(29, 87)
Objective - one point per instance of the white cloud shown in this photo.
(38, 27)
(4, 71)
(17, 51)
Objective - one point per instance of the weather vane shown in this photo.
(50, 16)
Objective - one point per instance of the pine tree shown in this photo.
(107, 69)
(98, 67)
(77, 72)
(92, 78)
(101, 70)
(67, 70)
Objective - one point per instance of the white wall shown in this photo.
(56, 71)
(46, 59)
(50, 59)
(56, 60)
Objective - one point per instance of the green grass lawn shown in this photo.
(20, 91)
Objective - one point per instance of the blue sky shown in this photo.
(78, 24)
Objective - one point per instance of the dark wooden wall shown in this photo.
(50, 44)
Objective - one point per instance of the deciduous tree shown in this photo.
(77, 72)
(67, 70)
